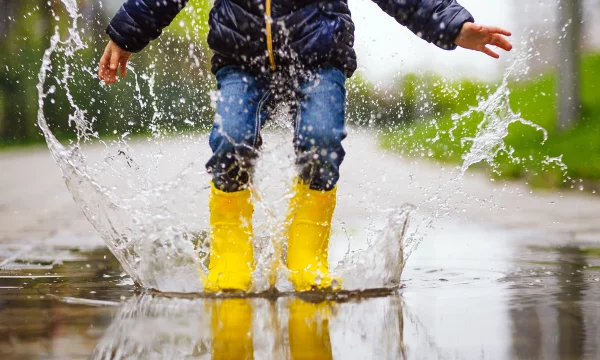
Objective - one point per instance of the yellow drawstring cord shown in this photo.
(269, 35)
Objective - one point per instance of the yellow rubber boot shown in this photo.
(231, 259)
(308, 238)
(231, 325)
(308, 328)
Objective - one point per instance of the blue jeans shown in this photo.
(318, 104)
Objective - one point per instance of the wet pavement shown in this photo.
(495, 284)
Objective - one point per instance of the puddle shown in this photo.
(509, 296)
(37, 318)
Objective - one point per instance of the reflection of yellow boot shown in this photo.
(308, 328)
(232, 329)
(308, 237)
(231, 255)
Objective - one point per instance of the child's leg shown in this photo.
(235, 133)
(234, 140)
(318, 142)
(320, 128)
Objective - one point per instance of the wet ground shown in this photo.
(523, 282)
(528, 302)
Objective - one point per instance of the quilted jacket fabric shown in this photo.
(305, 33)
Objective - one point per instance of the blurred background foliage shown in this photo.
(177, 65)
(535, 100)
(168, 91)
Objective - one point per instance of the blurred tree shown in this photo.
(569, 58)
(22, 42)
(177, 64)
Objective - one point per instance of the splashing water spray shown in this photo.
(156, 228)
(138, 241)
(487, 143)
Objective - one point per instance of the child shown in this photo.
(300, 52)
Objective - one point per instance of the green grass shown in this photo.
(535, 100)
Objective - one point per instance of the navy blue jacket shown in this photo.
(305, 33)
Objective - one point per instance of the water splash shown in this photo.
(485, 146)
(498, 115)
(378, 265)
(138, 241)
(148, 200)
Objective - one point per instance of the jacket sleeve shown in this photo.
(436, 21)
(140, 21)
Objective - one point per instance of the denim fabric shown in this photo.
(318, 103)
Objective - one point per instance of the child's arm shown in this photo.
(136, 24)
(446, 24)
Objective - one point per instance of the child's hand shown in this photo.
(476, 37)
(112, 58)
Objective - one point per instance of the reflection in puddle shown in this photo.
(558, 317)
(45, 311)
(285, 328)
